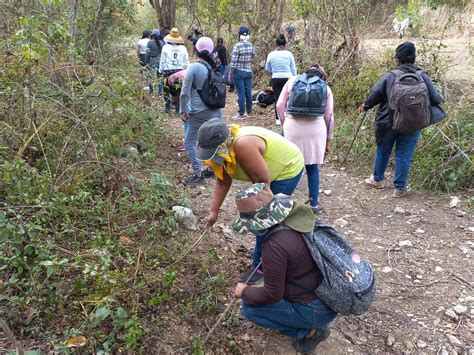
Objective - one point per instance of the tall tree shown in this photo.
(165, 12)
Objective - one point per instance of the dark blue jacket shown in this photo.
(381, 92)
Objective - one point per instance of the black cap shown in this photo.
(210, 135)
(405, 50)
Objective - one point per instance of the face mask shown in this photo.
(217, 159)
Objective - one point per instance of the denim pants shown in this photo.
(405, 144)
(243, 84)
(287, 187)
(312, 171)
(292, 319)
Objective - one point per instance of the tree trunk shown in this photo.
(280, 8)
(159, 14)
(94, 33)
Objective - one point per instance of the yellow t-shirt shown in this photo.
(284, 159)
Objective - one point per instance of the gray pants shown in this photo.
(195, 121)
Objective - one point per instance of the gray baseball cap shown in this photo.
(210, 135)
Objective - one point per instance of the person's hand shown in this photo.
(361, 108)
(185, 117)
(239, 289)
(211, 219)
(328, 146)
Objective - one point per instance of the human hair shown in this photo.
(146, 34)
(220, 40)
(410, 59)
(206, 56)
(281, 40)
(317, 70)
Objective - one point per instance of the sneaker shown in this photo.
(277, 122)
(208, 173)
(239, 117)
(401, 192)
(194, 180)
(180, 148)
(376, 184)
(256, 277)
(247, 115)
(308, 344)
(317, 209)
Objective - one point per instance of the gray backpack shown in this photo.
(410, 102)
(308, 96)
(348, 280)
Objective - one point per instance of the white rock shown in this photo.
(186, 217)
(470, 229)
(327, 192)
(390, 340)
(453, 340)
(460, 309)
(451, 314)
(341, 222)
(405, 243)
(399, 210)
(454, 201)
(420, 231)
(460, 213)
(469, 299)
(443, 351)
(420, 344)
(439, 269)
(387, 269)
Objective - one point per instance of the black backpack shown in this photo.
(213, 91)
(308, 96)
(410, 102)
(264, 98)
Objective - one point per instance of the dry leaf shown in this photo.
(76, 342)
(126, 240)
(30, 314)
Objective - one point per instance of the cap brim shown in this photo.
(206, 154)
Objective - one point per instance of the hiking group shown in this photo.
(309, 272)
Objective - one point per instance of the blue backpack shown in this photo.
(348, 280)
(308, 97)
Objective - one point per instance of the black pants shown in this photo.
(277, 86)
(166, 89)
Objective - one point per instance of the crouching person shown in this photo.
(286, 302)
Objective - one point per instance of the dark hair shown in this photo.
(220, 40)
(318, 70)
(406, 53)
(206, 56)
(281, 40)
(146, 34)
(407, 60)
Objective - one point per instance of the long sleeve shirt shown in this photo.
(173, 57)
(328, 113)
(281, 64)
(285, 255)
(242, 56)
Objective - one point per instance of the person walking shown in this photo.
(386, 137)
(174, 57)
(281, 64)
(193, 110)
(240, 72)
(283, 305)
(251, 154)
(152, 60)
(141, 47)
(221, 51)
(310, 127)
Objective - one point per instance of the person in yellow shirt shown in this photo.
(252, 154)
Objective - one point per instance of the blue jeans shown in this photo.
(243, 84)
(404, 148)
(292, 319)
(287, 187)
(313, 183)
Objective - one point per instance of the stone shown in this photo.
(470, 229)
(408, 344)
(469, 299)
(186, 217)
(451, 314)
(419, 231)
(460, 213)
(460, 309)
(387, 269)
(327, 192)
(341, 222)
(390, 340)
(399, 210)
(439, 269)
(453, 340)
(405, 243)
(443, 351)
(454, 201)
(420, 344)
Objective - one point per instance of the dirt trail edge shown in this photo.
(421, 249)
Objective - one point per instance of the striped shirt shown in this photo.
(242, 56)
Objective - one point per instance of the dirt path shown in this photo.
(422, 254)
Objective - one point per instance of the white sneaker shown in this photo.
(239, 117)
(277, 122)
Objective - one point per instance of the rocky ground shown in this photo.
(421, 247)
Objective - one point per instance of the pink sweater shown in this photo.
(283, 103)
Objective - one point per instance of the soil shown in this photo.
(422, 254)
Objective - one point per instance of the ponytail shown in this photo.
(206, 56)
(281, 40)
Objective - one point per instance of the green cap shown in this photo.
(259, 209)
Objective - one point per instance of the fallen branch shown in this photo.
(11, 337)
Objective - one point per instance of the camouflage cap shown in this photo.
(259, 209)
